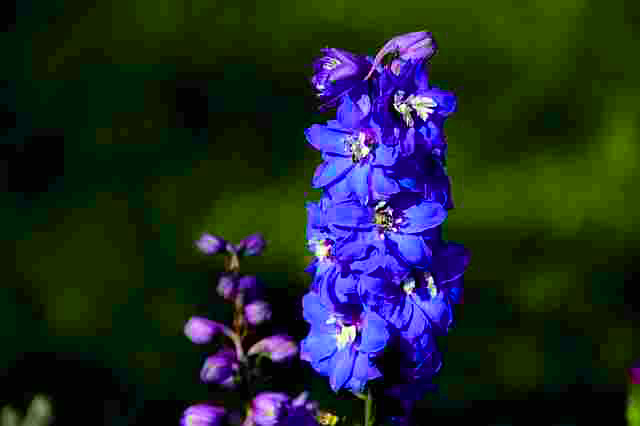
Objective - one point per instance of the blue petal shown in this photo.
(331, 170)
(423, 216)
(410, 320)
(342, 367)
(385, 155)
(359, 182)
(318, 345)
(446, 101)
(327, 139)
(374, 333)
(411, 248)
(408, 142)
(350, 214)
(382, 186)
(313, 311)
(437, 309)
(350, 114)
(363, 371)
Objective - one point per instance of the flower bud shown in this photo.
(253, 245)
(268, 408)
(278, 348)
(257, 312)
(414, 46)
(226, 287)
(201, 330)
(220, 368)
(203, 415)
(210, 244)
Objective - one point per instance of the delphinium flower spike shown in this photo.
(383, 280)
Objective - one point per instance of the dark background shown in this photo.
(133, 126)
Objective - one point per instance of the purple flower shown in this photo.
(269, 408)
(336, 73)
(253, 245)
(203, 415)
(277, 409)
(226, 287)
(342, 347)
(415, 46)
(248, 283)
(278, 348)
(201, 330)
(220, 368)
(257, 312)
(210, 244)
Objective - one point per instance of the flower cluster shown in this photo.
(231, 366)
(384, 282)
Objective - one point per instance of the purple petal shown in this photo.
(318, 345)
(313, 311)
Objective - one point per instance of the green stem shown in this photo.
(368, 409)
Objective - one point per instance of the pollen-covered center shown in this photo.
(385, 219)
(359, 146)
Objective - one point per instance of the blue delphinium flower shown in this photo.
(337, 73)
(396, 226)
(356, 159)
(343, 346)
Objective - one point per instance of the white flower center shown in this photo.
(431, 286)
(357, 147)
(331, 64)
(422, 105)
(345, 335)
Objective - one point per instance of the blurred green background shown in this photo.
(137, 125)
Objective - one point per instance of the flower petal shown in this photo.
(359, 182)
(313, 311)
(410, 248)
(331, 170)
(363, 371)
(342, 367)
(317, 346)
(423, 216)
(327, 139)
(374, 333)
(382, 186)
(350, 214)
